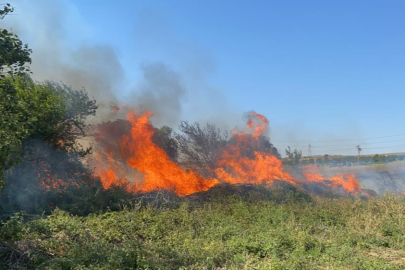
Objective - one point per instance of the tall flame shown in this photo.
(243, 160)
(157, 170)
(260, 167)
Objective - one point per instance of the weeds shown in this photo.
(324, 233)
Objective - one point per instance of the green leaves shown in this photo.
(14, 55)
(51, 112)
(6, 10)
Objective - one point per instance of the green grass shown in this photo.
(325, 233)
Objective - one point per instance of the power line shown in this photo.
(339, 145)
(351, 140)
(388, 146)
(328, 150)
(380, 147)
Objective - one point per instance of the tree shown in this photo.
(293, 156)
(200, 147)
(65, 120)
(14, 55)
(13, 121)
(50, 112)
(14, 126)
(6, 10)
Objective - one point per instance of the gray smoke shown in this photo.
(98, 70)
(161, 92)
(62, 56)
(64, 51)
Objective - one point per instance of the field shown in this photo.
(232, 232)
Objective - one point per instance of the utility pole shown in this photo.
(309, 150)
(358, 153)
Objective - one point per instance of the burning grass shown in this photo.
(134, 161)
(247, 210)
(323, 233)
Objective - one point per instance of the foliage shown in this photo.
(64, 129)
(14, 126)
(322, 234)
(14, 55)
(50, 112)
(200, 146)
(6, 10)
(293, 157)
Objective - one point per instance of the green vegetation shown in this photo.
(14, 55)
(48, 112)
(231, 234)
(15, 121)
(292, 157)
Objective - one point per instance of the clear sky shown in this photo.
(319, 70)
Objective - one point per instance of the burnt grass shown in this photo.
(227, 227)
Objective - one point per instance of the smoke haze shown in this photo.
(175, 84)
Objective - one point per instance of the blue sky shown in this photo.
(319, 70)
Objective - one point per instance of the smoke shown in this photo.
(58, 37)
(43, 169)
(190, 95)
(161, 92)
(171, 80)
(96, 69)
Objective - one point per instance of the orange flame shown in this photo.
(243, 160)
(348, 182)
(108, 176)
(261, 167)
(51, 180)
(158, 171)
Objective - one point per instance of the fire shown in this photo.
(348, 182)
(135, 162)
(237, 165)
(156, 169)
(108, 176)
(262, 169)
(50, 179)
